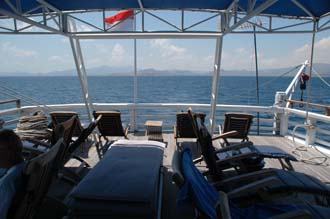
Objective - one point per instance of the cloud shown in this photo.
(55, 59)
(167, 49)
(83, 28)
(11, 50)
(118, 54)
(321, 51)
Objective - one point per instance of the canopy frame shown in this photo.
(54, 21)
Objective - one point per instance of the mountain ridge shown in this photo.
(322, 68)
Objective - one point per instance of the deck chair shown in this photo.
(62, 116)
(62, 130)
(183, 128)
(110, 125)
(37, 174)
(211, 203)
(236, 122)
(244, 157)
(81, 139)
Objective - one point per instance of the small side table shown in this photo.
(154, 130)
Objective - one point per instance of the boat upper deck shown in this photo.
(315, 164)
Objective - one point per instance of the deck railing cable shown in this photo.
(18, 95)
(237, 96)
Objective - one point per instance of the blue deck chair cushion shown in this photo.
(196, 189)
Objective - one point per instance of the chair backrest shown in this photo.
(193, 186)
(37, 175)
(110, 124)
(205, 140)
(184, 127)
(84, 135)
(62, 116)
(63, 130)
(238, 122)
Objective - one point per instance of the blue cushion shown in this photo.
(196, 189)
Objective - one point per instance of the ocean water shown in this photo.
(163, 89)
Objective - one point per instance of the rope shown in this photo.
(299, 149)
(322, 79)
(266, 83)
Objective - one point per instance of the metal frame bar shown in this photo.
(81, 70)
(251, 14)
(239, 17)
(216, 74)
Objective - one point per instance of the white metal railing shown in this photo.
(152, 111)
(318, 125)
(274, 119)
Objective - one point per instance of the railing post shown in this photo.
(133, 118)
(280, 119)
(310, 132)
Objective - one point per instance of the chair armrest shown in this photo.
(199, 159)
(298, 214)
(225, 135)
(254, 186)
(223, 209)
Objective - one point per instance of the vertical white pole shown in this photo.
(216, 74)
(310, 70)
(135, 87)
(81, 70)
(135, 81)
(257, 75)
(311, 130)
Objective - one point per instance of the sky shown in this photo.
(42, 54)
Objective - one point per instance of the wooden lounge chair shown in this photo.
(244, 157)
(212, 203)
(81, 139)
(110, 125)
(37, 175)
(62, 116)
(236, 122)
(183, 127)
(62, 130)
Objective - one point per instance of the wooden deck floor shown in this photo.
(265, 142)
(169, 208)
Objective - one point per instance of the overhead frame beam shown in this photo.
(251, 14)
(32, 22)
(150, 35)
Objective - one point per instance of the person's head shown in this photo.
(10, 149)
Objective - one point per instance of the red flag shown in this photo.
(125, 18)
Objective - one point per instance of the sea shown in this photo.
(239, 90)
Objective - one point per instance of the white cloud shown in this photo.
(11, 50)
(55, 59)
(168, 50)
(83, 28)
(118, 54)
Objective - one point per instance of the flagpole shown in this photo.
(135, 78)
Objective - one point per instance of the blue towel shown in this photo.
(196, 189)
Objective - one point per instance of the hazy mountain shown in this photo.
(321, 68)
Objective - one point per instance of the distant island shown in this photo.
(322, 68)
